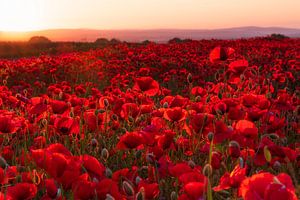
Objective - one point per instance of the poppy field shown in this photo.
(189, 120)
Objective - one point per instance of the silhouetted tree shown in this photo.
(102, 41)
(39, 40)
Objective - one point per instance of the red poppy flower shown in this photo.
(130, 140)
(129, 110)
(151, 189)
(175, 114)
(8, 123)
(51, 188)
(194, 190)
(108, 186)
(232, 180)
(247, 128)
(21, 191)
(220, 54)
(147, 85)
(67, 125)
(58, 107)
(268, 187)
(200, 120)
(93, 166)
(238, 66)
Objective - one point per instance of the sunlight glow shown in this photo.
(20, 15)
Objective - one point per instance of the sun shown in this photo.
(20, 15)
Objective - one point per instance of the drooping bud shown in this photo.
(207, 170)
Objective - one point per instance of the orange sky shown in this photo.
(24, 15)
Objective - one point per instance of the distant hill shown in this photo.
(157, 35)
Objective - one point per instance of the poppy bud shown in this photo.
(276, 165)
(234, 149)
(60, 95)
(3, 162)
(189, 78)
(191, 164)
(174, 195)
(138, 180)
(108, 173)
(72, 112)
(106, 103)
(138, 154)
(241, 162)
(150, 158)
(104, 154)
(165, 105)
(207, 170)
(130, 119)
(94, 142)
(267, 154)
(127, 188)
(58, 194)
(109, 197)
(210, 136)
(101, 111)
(198, 98)
(141, 194)
(95, 180)
(114, 117)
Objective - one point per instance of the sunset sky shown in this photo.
(24, 15)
